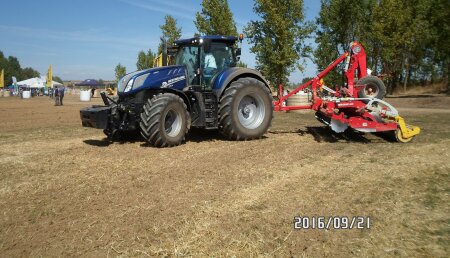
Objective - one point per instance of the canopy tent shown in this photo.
(89, 82)
(36, 83)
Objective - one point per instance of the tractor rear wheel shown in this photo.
(164, 120)
(373, 88)
(245, 110)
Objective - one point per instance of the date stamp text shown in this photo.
(332, 222)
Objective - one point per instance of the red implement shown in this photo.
(343, 108)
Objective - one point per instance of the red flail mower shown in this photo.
(357, 105)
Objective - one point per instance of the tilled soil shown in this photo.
(66, 191)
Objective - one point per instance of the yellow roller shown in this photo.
(405, 133)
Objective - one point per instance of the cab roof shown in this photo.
(196, 40)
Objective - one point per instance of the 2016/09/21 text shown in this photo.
(332, 222)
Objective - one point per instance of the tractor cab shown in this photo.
(205, 57)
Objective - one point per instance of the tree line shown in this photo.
(407, 41)
(12, 67)
(215, 18)
(278, 38)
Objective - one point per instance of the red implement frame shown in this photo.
(351, 112)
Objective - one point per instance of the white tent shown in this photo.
(36, 83)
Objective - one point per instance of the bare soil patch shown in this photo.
(65, 191)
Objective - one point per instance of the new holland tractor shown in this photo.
(203, 89)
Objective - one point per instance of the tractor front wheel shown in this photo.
(245, 110)
(164, 120)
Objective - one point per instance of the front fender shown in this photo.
(148, 93)
(225, 78)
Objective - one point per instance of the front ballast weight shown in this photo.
(358, 105)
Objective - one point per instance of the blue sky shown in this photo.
(88, 38)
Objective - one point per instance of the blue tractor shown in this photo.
(203, 89)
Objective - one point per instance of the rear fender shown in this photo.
(223, 80)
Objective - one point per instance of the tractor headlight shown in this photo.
(129, 85)
(140, 81)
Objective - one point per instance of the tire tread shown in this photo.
(151, 116)
(226, 126)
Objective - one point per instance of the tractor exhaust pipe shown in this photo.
(164, 51)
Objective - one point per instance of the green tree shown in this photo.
(29, 72)
(241, 64)
(306, 79)
(120, 71)
(170, 31)
(215, 18)
(145, 60)
(402, 35)
(12, 67)
(438, 15)
(403, 38)
(341, 22)
(429, 50)
(279, 38)
(57, 79)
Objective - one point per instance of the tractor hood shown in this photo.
(161, 77)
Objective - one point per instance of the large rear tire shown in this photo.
(245, 110)
(373, 88)
(164, 120)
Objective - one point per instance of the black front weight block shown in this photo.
(95, 116)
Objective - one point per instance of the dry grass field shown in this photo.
(65, 191)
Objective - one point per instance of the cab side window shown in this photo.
(215, 58)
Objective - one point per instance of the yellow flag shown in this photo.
(2, 78)
(49, 77)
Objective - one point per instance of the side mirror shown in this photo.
(238, 52)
